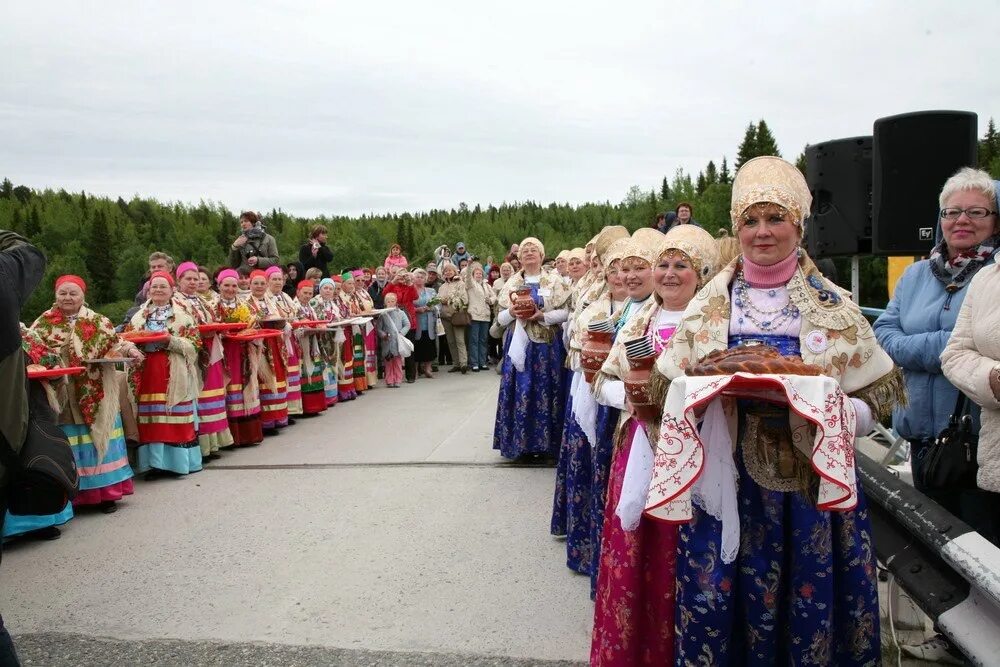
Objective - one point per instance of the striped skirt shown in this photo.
(102, 480)
(242, 407)
(274, 403)
(167, 438)
(295, 379)
(213, 424)
(360, 376)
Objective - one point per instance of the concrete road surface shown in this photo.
(385, 532)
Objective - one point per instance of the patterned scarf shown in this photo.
(956, 273)
(89, 335)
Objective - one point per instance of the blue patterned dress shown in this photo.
(802, 589)
(571, 505)
(530, 405)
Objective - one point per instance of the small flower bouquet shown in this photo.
(240, 313)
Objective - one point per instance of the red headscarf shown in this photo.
(73, 280)
(257, 273)
(305, 283)
(163, 274)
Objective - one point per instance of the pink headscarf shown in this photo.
(227, 273)
(185, 267)
(271, 270)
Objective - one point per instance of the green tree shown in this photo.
(748, 147)
(100, 260)
(7, 188)
(724, 176)
(800, 162)
(711, 173)
(989, 146)
(766, 143)
(665, 190)
(701, 183)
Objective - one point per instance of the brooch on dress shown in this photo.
(827, 297)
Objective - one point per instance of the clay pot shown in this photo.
(596, 346)
(637, 387)
(524, 305)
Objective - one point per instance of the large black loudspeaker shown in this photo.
(915, 153)
(839, 174)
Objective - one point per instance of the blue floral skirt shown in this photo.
(571, 506)
(600, 471)
(802, 590)
(530, 406)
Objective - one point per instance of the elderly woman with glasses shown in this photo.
(919, 319)
(917, 325)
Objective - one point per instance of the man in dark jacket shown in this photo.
(22, 267)
(315, 252)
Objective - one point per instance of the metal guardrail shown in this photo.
(949, 570)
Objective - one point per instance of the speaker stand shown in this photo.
(856, 279)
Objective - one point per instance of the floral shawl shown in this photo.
(557, 299)
(36, 349)
(90, 336)
(834, 335)
(196, 307)
(184, 382)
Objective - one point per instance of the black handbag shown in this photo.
(950, 462)
(43, 475)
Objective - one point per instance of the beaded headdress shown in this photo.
(698, 245)
(770, 179)
(607, 236)
(645, 244)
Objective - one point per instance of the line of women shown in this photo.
(204, 372)
(738, 559)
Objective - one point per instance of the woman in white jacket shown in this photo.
(971, 361)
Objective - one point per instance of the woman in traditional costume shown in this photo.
(775, 561)
(355, 334)
(634, 600)
(241, 359)
(288, 310)
(273, 373)
(339, 373)
(572, 508)
(312, 363)
(531, 399)
(205, 291)
(166, 384)
(90, 418)
(39, 356)
(213, 424)
(364, 303)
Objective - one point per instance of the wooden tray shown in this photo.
(49, 373)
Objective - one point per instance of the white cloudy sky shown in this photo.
(350, 107)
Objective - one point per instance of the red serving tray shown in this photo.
(55, 372)
(221, 327)
(143, 337)
(299, 324)
(256, 334)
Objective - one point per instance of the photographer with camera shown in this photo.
(254, 248)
